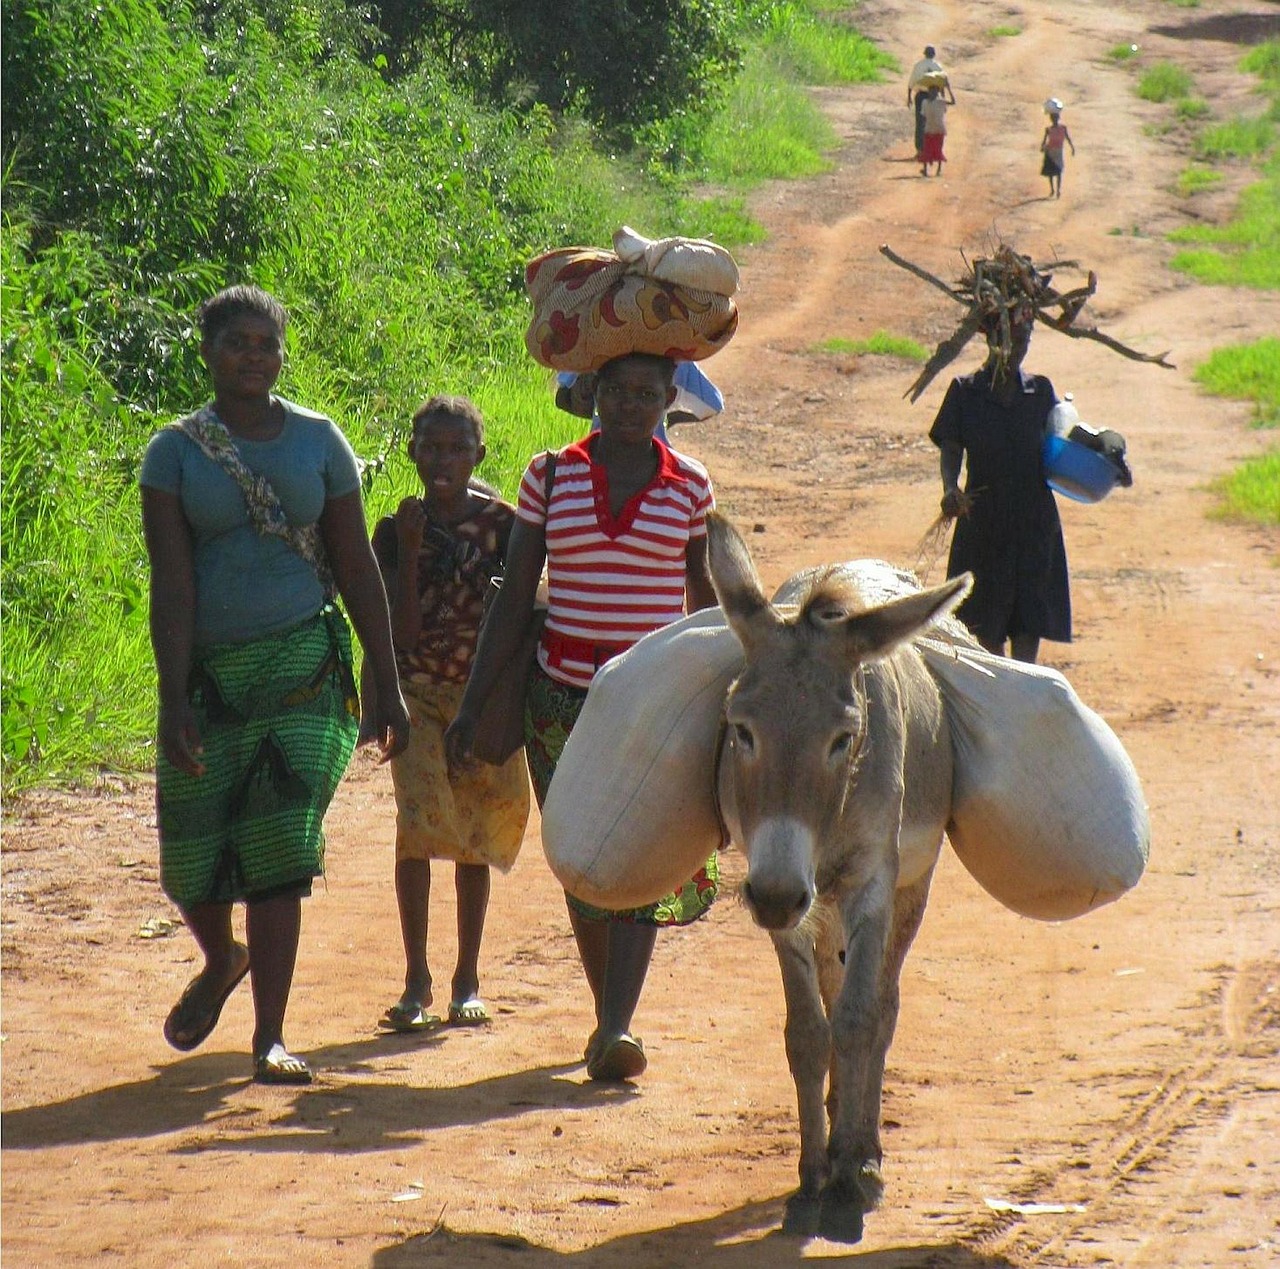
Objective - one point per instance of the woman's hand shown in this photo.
(179, 739)
(387, 725)
(955, 502)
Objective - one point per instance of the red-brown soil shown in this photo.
(1123, 1068)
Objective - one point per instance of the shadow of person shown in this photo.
(748, 1237)
(351, 1102)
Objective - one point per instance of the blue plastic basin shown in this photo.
(1076, 471)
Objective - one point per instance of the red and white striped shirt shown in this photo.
(612, 580)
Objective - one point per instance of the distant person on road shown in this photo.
(437, 554)
(1007, 530)
(935, 131)
(1055, 138)
(926, 73)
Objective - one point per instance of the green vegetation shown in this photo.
(1246, 372)
(1193, 180)
(390, 194)
(881, 343)
(1191, 108)
(1252, 491)
(1164, 81)
(1123, 52)
(1246, 250)
(1003, 32)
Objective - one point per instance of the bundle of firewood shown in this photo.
(1007, 290)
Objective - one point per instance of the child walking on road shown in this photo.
(1055, 138)
(437, 554)
(935, 131)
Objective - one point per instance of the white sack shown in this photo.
(630, 815)
(1047, 811)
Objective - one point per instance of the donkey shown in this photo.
(835, 781)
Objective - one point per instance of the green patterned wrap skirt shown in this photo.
(552, 709)
(278, 717)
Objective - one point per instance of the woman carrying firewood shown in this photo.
(1007, 530)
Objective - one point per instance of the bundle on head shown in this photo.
(1002, 292)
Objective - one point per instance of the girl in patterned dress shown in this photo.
(437, 554)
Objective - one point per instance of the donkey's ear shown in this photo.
(733, 573)
(877, 631)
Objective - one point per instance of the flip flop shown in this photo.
(199, 1026)
(279, 1066)
(471, 1012)
(621, 1058)
(403, 1019)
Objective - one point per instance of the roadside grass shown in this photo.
(1164, 81)
(1123, 52)
(1194, 180)
(768, 129)
(1246, 372)
(1251, 493)
(881, 343)
(818, 48)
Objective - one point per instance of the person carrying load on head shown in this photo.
(927, 73)
(697, 398)
(623, 536)
(1055, 138)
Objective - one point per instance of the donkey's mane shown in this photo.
(830, 589)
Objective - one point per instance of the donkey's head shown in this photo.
(797, 716)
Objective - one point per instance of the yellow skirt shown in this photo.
(476, 817)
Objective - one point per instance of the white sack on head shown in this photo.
(630, 815)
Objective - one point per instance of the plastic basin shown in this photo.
(1076, 471)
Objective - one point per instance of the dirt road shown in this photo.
(1123, 1070)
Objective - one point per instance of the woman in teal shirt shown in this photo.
(253, 520)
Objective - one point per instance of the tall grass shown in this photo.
(156, 165)
(769, 128)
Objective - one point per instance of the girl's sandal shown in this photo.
(279, 1066)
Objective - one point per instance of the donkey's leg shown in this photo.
(808, 1043)
(854, 1186)
(908, 912)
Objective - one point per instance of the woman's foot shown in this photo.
(193, 1018)
(278, 1066)
(410, 1014)
(618, 1058)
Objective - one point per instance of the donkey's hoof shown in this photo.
(841, 1220)
(870, 1185)
(802, 1215)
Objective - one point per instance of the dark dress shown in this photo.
(1011, 539)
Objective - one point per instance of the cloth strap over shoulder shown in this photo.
(267, 516)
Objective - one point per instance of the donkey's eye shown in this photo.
(841, 745)
(742, 735)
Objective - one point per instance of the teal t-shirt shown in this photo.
(248, 584)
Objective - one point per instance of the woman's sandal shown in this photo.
(198, 1025)
(621, 1058)
(278, 1066)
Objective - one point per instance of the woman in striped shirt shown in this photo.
(624, 539)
